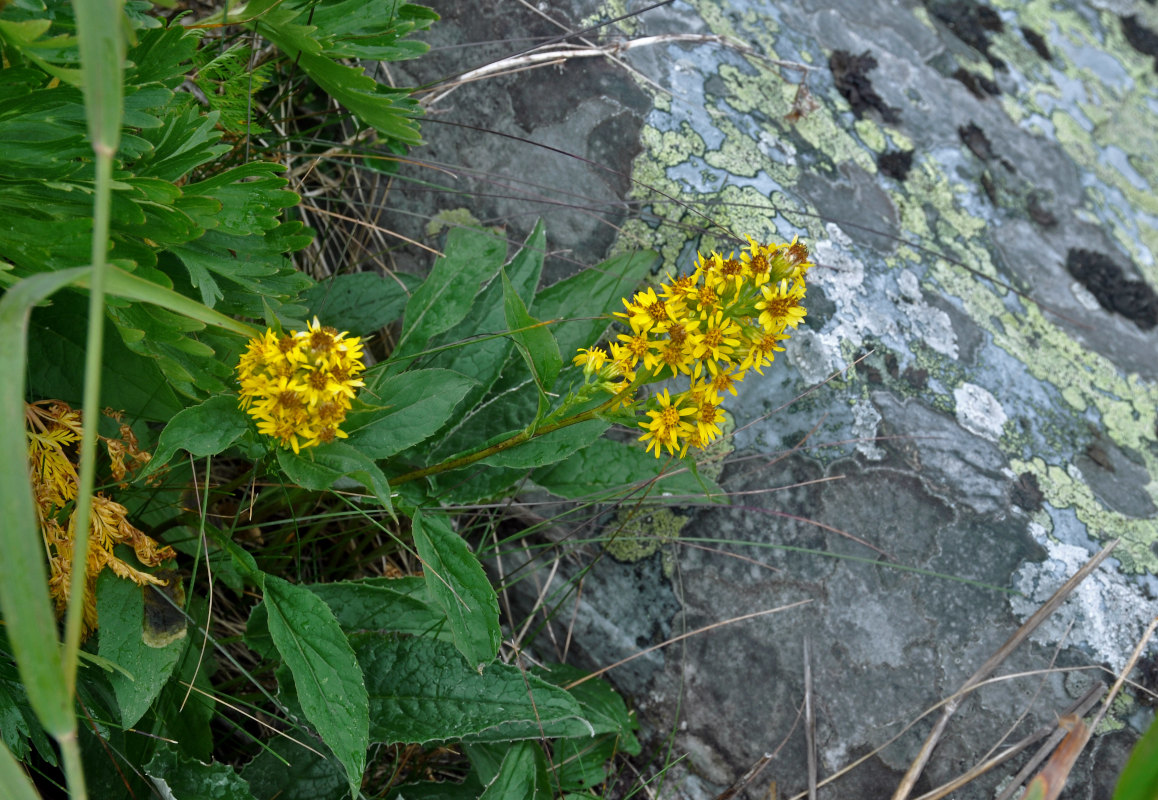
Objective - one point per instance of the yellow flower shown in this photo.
(667, 426)
(781, 307)
(299, 387)
(591, 359)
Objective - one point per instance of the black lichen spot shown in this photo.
(891, 364)
(1095, 453)
(1141, 38)
(896, 163)
(978, 85)
(975, 139)
(1037, 42)
(1134, 300)
(1026, 493)
(916, 378)
(850, 73)
(971, 23)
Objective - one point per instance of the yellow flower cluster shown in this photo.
(727, 317)
(299, 387)
(54, 430)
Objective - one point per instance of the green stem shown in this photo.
(506, 444)
(72, 765)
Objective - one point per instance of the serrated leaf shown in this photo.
(606, 467)
(456, 581)
(202, 430)
(317, 468)
(176, 775)
(445, 298)
(361, 302)
(551, 447)
(602, 706)
(327, 677)
(308, 776)
(120, 609)
(422, 690)
(400, 605)
(413, 406)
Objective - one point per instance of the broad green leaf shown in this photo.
(318, 468)
(596, 292)
(176, 775)
(609, 468)
(361, 302)
(327, 677)
(534, 339)
(121, 609)
(308, 776)
(483, 359)
(401, 605)
(187, 715)
(445, 298)
(56, 356)
(456, 581)
(412, 406)
(24, 601)
(202, 430)
(1139, 778)
(602, 706)
(551, 447)
(422, 690)
(523, 773)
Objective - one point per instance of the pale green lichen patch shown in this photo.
(637, 533)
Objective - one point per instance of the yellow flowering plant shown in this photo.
(712, 326)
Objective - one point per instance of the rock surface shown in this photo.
(977, 183)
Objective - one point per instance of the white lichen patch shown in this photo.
(1108, 613)
(978, 411)
(865, 419)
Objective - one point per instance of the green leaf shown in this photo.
(523, 773)
(422, 690)
(602, 706)
(56, 356)
(413, 406)
(445, 298)
(326, 674)
(609, 468)
(1139, 778)
(24, 600)
(203, 430)
(483, 359)
(533, 338)
(121, 609)
(176, 775)
(19, 728)
(102, 54)
(361, 302)
(456, 581)
(13, 778)
(401, 605)
(286, 770)
(318, 468)
(597, 291)
(551, 447)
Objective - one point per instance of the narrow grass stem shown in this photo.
(91, 417)
(73, 766)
